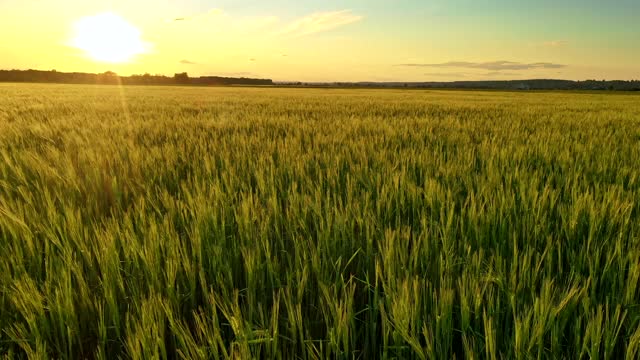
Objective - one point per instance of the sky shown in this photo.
(328, 40)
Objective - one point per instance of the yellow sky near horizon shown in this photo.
(309, 43)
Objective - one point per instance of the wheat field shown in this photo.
(266, 223)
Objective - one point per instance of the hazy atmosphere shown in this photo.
(353, 40)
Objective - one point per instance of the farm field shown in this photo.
(214, 223)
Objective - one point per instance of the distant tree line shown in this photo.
(542, 84)
(111, 78)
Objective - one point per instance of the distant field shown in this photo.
(195, 223)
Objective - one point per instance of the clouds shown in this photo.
(491, 74)
(187, 62)
(490, 66)
(556, 43)
(267, 24)
(195, 18)
(319, 22)
(446, 74)
(219, 22)
(489, 70)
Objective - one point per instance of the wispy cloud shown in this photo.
(556, 43)
(493, 66)
(218, 19)
(210, 13)
(319, 22)
(187, 62)
(453, 75)
(186, 19)
(447, 74)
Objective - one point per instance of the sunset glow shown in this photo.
(108, 38)
(388, 41)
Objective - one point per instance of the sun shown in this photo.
(107, 37)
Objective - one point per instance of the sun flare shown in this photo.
(107, 37)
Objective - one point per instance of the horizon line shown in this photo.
(228, 75)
